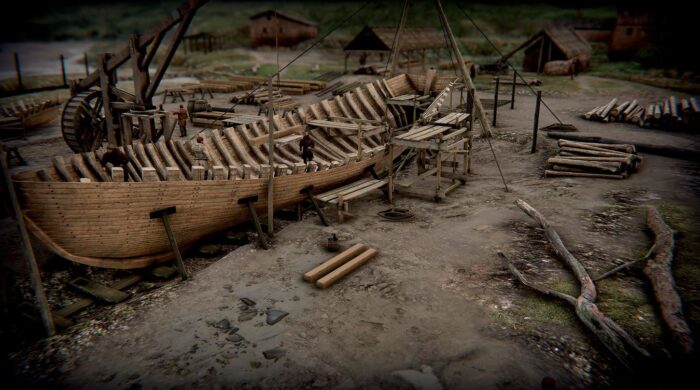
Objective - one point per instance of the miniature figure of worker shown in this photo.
(117, 158)
(182, 120)
(306, 146)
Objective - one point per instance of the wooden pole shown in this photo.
(536, 122)
(495, 100)
(270, 158)
(34, 275)
(397, 41)
(87, 68)
(63, 71)
(18, 70)
(463, 68)
(512, 92)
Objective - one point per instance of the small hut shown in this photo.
(554, 43)
(415, 42)
(268, 26)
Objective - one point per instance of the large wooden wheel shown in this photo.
(83, 121)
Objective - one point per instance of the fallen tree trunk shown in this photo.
(658, 270)
(660, 150)
(616, 339)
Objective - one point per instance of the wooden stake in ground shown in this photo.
(616, 339)
(658, 270)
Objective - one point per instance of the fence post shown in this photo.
(495, 100)
(512, 93)
(18, 69)
(63, 71)
(87, 68)
(535, 125)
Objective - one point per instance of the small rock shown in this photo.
(248, 301)
(133, 376)
(237, 238)
(255, 364)
(246, 316)
(209, 250)
(422, 380)
(234, 329)
(223, 324)
(274, 316)
(236, 338)
(274, 353)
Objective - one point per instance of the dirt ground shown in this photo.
(436, 307)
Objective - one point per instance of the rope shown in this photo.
(507, 62)
(394, 43)
(279, 71)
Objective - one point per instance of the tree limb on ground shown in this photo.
(626, 265)
(616, 339)
(658, 270)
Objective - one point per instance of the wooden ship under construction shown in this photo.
(88, 213)
(101, 215)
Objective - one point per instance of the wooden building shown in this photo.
(378, 41)
(288, 30)
(554, 43)
(636, 28)
(594, 30)
(204, 42)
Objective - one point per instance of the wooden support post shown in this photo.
(359, 142)
(512, 92)
(341, 215)
(63, 71)
(18, 70)
(105, 84)
(390, 178)
(495, 100)
(536, 122)
(262, 239)
(394, 55)
(271, 162)
(163, 215)
(87, 67)
(319, 211)
(34, 274)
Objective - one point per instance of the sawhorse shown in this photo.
(309, 194)
(262, 237)
(163, 215)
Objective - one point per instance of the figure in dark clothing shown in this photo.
(306, 146)
(182, 120)
(117, 158)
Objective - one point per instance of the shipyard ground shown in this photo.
(436, 304)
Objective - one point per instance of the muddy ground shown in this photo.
(436, 307)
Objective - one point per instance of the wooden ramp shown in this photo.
(342, 195)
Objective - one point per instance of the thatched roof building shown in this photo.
(554, 43)
(380, 39)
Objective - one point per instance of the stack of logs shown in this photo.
(287, 86)
(590, 159)
(261, 97)
(669, 113)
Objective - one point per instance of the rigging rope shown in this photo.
(507, 62)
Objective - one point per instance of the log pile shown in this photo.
(261, 97)
(668, 113)
(289, 87)
(592, 159)
(216, 118)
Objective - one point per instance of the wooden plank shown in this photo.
(98, 291)
(359, 192)
(160, 167)
(346, 268)
(333, 263)
(330, 196)
(83, 303)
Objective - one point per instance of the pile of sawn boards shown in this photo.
(289, 87)
(669, 113)
(591, 159)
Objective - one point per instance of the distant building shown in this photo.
(415, 41)
(593, 30)
(288, 30)
(636, 29)
(554, 43)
